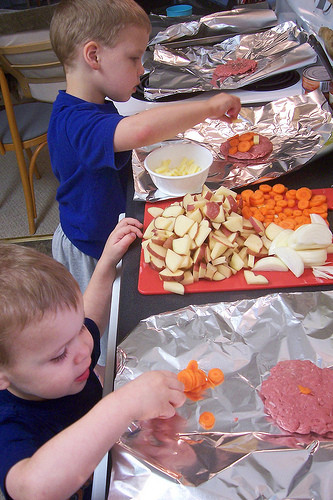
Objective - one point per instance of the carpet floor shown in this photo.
(13, 215)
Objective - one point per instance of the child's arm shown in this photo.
(165, 122)
(97, 297)
(63, 464)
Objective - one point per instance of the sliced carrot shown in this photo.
(281, 203)
(192, 365)
(207, 420)
(291, 202)
(234, 141)
(304, 390)
(303, 193)
(288, 206)
(303, 203)
(265, 188)
(232, 150)
(248, 136)
(279, 188)
(244, 146)
(291, 194)
(246, 212)
(234, 137)
(317, 200)
(187, 377)
(288, 224)
(288, 211)
(216, 376)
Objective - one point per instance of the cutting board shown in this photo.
(149, 282)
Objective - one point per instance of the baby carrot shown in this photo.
(207, 420)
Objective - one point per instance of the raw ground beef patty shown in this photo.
(260, 150)
(298, 395)
(237, 67)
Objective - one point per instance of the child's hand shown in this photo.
(224, 107)
(121, 237)
(153, 394)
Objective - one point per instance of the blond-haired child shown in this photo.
(100, 44)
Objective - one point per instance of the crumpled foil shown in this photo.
(240, 20)
(246, 455)
(298, 127)
(190, 69)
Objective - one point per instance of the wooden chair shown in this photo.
(24, 125)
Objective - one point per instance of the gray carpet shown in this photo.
(13, 215)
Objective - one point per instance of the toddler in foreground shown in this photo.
(54, 425)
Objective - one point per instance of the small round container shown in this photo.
(179, 185)
(179, 10)
(316, 77)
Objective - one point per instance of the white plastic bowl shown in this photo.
(182, 184)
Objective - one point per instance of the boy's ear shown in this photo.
(90, 54)
(4, 382)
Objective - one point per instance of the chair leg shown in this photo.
(29, 155)
(26, 190)
(32, 168)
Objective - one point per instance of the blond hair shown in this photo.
(31, 284)
(76, 22)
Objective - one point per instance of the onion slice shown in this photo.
(291, 259)
(310, 236)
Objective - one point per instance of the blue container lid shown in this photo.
(179, 10)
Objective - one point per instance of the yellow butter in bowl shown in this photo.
(186, 167)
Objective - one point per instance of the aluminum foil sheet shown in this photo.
(190, 69)
(246, 455)
(298, 127)
(241, 20)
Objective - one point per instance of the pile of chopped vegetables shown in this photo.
(288, 208)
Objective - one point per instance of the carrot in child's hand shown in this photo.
(192, 365)
(207, 420)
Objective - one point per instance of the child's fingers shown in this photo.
(130, 221)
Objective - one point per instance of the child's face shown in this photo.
(51, 357)
(121, 65)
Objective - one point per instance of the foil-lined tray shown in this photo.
(190, 69)
(298, 127)
(246, 455)
(241, 20)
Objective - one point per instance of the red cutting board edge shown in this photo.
(149, 282)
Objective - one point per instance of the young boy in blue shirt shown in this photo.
(54, 426)
(100, 44)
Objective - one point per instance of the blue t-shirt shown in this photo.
(26, 425)
(92, 177)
